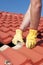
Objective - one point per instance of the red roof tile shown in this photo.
(4, 60)
(36, 58)
(15, 57)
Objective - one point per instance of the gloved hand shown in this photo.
(31, 38)
(18, 37)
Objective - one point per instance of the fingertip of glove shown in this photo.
(29, 46)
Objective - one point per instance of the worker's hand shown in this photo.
(31, 39)
(18, 37)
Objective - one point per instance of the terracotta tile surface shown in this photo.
(38, 49)
(24, 56)
(4, 60)
(37, 58)
(15, 57)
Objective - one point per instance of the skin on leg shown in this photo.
(26, 19)
(35, 13)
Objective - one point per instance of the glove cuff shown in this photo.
(18, 31)
(33, 32)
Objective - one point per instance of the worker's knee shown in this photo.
(36, 4)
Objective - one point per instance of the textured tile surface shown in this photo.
(15, 57)
(36, 57)
(4, 60)
(23, 56)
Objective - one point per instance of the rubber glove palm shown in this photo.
(31, 38)
(18, 37)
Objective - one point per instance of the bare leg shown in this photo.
(35, 13)
(26, 19)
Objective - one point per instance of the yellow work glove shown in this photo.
(31, 38)
(18, 37)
